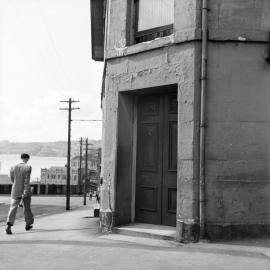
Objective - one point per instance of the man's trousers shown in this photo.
(28, 216)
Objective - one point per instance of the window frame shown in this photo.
(161, 31)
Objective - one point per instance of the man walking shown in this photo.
(21, 192)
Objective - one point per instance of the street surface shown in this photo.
(71, 240)
(42, 205)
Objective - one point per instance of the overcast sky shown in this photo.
(45, 57)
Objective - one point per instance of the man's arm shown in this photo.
(11, 174)
(27, 186)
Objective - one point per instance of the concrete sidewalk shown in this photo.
(71, 240)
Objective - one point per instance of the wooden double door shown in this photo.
(156, 184)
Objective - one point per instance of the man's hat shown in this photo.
(24, 155)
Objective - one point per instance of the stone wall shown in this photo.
(237, 138)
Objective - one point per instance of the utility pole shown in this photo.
(69, 109)
(80, 167)
(86, 172)
(99, 166)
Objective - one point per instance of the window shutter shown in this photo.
(97, 29)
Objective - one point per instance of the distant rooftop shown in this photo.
(54, 168)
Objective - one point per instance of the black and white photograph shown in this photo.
(135, 134)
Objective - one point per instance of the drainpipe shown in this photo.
(202, 117)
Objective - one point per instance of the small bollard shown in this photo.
(96, 210)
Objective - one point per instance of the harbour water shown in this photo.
(37, 162)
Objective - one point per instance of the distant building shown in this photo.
(54, 175)
(54, 179)
(5, 184)
(93, 166)
(92, 162)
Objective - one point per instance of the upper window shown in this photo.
(154, 18)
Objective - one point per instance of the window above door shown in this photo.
(153, 19)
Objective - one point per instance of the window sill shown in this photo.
(189, 35)
(140, 47)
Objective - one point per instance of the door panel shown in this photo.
(150, 138)
(169, 161)
(149, 158)
(148, 198)
(172, 151)
(156, 160)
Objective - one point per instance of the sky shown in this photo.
(45, 57)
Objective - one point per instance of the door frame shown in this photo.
(127, 151)
(160, 90)
(134, 159)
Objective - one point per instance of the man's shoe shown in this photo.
(28, 227)
(8, 229)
